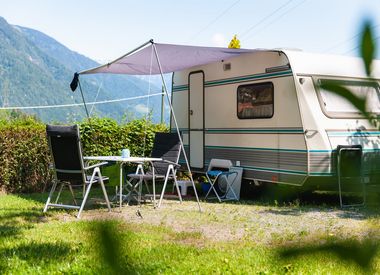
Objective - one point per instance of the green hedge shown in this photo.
(25, 157)
(103, 136)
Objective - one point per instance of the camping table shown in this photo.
(122, 161)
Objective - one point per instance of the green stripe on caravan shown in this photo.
(236, 80)
(256, 149)
(257, 130)
(353, 134)
(271, 170)
(263, 169)
(278, 149)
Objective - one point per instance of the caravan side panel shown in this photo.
(269, 149)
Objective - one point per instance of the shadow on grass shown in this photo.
(35, 253)
(13, 222)
(110, 251)
(34, 197)
(95, 200)
(8, 231)
(25, 215)
(275, 195)
(360, 253)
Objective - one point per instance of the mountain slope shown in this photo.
(112, 86)
(36, 70)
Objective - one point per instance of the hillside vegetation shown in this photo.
(36, 70)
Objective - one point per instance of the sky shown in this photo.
(104, 30)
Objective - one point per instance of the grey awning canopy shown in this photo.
(152, 58)
(141, 61)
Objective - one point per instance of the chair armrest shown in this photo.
(171, 162)
(217, 173)
(95, 165)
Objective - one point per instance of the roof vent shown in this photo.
(278, 68)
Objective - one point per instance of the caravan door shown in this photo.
(196, 119)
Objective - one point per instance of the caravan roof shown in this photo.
(180, 57)
(328, 65)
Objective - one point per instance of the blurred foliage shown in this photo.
(368, 46)
(359, 253)
(110, 249)
(358, 102)
(25, 156)
(368, 52)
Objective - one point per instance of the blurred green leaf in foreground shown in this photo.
(359, 253)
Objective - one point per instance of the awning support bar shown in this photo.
(89, 71)
(176, 125)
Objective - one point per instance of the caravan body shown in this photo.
(264, 111)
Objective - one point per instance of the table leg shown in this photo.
(154, 186)
(121, 186)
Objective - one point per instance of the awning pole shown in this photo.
(84, 101)
(162, 105)
(89, 71)
(176, 125)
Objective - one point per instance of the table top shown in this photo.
(121, 159)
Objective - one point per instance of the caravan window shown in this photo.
(255, 100)
(334, 105)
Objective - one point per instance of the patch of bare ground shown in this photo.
(267, 225)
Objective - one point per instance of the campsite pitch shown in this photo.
(232, 238)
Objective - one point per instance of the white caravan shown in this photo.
(264, 111)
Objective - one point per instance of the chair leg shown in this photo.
(140, 185)
(50, 195)
(72, 194)
(97, 170)
(147, 186)
(84, 190)
(86, 194)
(140, 170)
(59, 192)
(212, 183)
(164, 187)
(229, 186)
(176, 185)
(209, 190)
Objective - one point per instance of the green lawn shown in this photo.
(34, 243)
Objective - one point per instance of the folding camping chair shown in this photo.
(349, 171)
(69, 168)
(166, 146)
(221, 179)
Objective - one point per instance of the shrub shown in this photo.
(103, 136)
(25, 157)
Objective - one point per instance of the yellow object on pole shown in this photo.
(235, 43)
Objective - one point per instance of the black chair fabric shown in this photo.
(65, 148)
(350, 160)
(168, 147)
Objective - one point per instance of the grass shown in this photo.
(35, 243)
